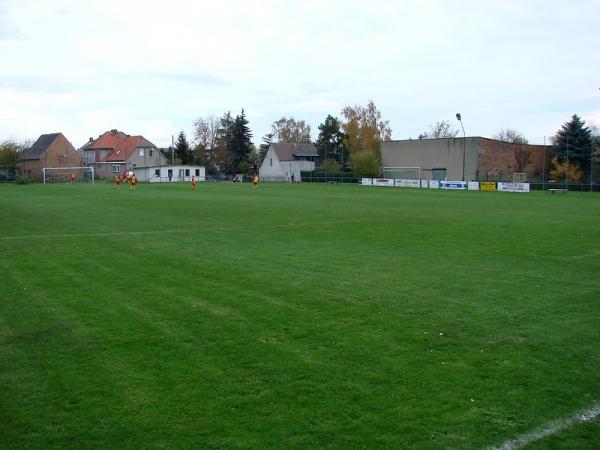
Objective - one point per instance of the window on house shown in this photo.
(170, 173)
(197, 172)
(141, 152)
(151, 152)
(187, 172)
(116, 168)
(271, 162)
(133, 166)
(157, 172)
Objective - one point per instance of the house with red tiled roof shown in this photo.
(115, 152)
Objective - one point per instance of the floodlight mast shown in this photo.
(458, 116)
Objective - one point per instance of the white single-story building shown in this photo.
(169, 174)
(283, 160)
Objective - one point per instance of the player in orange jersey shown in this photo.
(72, 178)
(132, 182)
(118, 182)
(255, 181)
(193, 182)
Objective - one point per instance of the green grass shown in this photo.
(294, 316)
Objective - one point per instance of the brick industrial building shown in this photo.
(470, 159)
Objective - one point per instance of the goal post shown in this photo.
(64, 174)
(519, 177)
(403, 173)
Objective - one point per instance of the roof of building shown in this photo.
(289, 152)
(426, 141)
(122, 145)
(40, 146)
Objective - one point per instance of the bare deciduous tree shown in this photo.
(290, 131)
(510, 136)
(205, 137)
(522, 153)
(443, 129)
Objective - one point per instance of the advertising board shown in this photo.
(407, 183)
(383, 182)
(488, 186)
(513, 187)
(456, 185)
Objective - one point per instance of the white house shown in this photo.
(283, 160)
(166, 174)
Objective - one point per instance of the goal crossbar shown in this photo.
(405, 172)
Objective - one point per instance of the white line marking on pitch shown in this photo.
(551, 428)
(584, 256)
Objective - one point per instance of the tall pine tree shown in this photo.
(573, 144)
(241, 141)
(183, 150)
(330, 141)
(264, 147)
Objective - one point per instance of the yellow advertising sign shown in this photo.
(488, 186)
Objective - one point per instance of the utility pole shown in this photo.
(567, 169)
(464, 144)
(544, 167)
(591, 165)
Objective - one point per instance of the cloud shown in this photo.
(190, 78)
(124, 63)
(29, 83)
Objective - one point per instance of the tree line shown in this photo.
(224, 144)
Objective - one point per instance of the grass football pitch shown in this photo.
(296, 316)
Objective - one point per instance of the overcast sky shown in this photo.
(151, 68)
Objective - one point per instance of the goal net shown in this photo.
(403, 173)
(68, 174)
(519, 177)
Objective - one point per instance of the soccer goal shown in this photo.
(68, 174)
(403, 173)
(519, 177)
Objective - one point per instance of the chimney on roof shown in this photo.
(113, 131)
(91, 139)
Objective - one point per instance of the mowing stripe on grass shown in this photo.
(177, 231)
(551, 428)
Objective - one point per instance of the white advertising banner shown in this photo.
(367, 182)
(383, 182)
(513, 187)
(407, 183)
(457, 185)
(473, 185)
(434, 184)
(424, 184)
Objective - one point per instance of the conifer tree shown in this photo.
(241, 140)
(182, 149)
(573, 144)
(330, 140)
